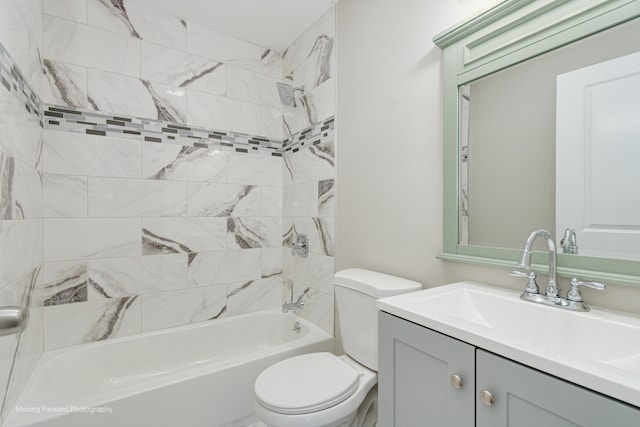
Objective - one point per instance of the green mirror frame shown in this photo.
(507, 34)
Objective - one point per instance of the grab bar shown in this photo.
(12, 320)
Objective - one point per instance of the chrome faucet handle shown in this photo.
(532, 285)
(574, 293)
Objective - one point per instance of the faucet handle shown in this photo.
(574, 293)
(532, 285)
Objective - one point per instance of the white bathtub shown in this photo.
(189, 376)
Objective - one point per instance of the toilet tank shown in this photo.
(356, 292)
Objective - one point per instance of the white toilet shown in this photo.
(324, 390)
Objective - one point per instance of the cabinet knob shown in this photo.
(487, 397)
(455, 381)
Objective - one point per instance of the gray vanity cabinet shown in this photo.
(416, 365)
(527, 397)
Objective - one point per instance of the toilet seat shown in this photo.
(316, 381)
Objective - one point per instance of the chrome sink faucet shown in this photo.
(525, 258)
(573, 301)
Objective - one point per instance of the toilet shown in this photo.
(325, 390)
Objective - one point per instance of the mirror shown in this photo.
(515, 158)
(509, 176)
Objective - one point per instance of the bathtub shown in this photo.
(188, 376)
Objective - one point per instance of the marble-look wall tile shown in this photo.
(65, 196)
(254, 295)
(115, 93)
(271, 125)
(120, 277)
(64, 282)
(250, 86)
(315, 271)
(321, 102)
(271, 63)
(179, 163)
(316, 68)
(20, 248)
(8, 347)
(136, 198)
(313, 46)
(315, 106)
(318, 306)
(166, 309)
(315, 163)
(311, 62)
(22, 292)
(220, 47)
(20, 190)
(182, 69)
(309, 173)
(295, 54)
(20, 133)
(79, 154)
(223, 200)
(253, 232)
(31, 13)
(213, 268)
(272, 201)
(69, 239)
(301, 199)
(74, 10)
(30, 341)
(66, 84)
(137, 21)
(271, 262)
(243, 85)
(254, 170)
(219, 112)
(71, 324)
(21, 36)
(320, 232)
(183, 235)
(327, 198)
(79, 44)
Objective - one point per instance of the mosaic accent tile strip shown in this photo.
(12, 79)
(77, 120)
(97, 123)
(311, 136)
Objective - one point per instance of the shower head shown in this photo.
(287, 93)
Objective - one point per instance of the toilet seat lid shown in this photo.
(307, 383)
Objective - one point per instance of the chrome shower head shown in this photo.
(287, 93)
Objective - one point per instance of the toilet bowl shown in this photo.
(321, 390)
(325, 390)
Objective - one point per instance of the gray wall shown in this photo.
(389, 195)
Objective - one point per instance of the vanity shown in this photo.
(541, 132)
(470, 354)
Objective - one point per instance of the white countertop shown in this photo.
(599, 349)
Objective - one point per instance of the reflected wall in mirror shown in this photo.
(509, 173)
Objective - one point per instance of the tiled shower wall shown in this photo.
(309, 171)
(21, 188)
(143, 235)
(122, 235)
(134, 61)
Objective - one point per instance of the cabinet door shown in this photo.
(525, 397)
(414, 377)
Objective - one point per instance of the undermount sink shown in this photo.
(599, 349)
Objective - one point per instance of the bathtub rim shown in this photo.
(30, 398)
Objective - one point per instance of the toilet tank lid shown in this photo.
(378, 285)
